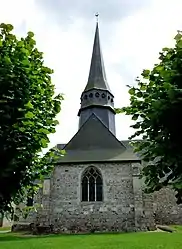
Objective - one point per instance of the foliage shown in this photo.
(28, 109)
(156, 108)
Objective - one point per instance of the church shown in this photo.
(96, 186)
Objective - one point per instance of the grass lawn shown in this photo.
(5, 228)
(153, 240)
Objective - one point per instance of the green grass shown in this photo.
(177, 228)
(5, 228)
(158, 240)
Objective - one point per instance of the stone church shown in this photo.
(96, 185)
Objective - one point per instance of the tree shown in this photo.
(156, 108)
(28, 109)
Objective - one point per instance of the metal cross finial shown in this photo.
(97, 17)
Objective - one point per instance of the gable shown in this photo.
(94, 135)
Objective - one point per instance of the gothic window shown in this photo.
(92, 185)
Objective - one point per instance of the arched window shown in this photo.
(92, 185)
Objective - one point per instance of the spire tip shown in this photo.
(97, 17)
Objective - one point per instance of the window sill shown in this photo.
(92, 202)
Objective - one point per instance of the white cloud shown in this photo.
(135, 44)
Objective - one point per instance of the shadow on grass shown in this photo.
(26, 236)
(17, 236)
(9, 236)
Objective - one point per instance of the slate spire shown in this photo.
(97, 98)
(97, 76)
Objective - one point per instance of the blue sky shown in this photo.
(132, 34)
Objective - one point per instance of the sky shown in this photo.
(132, 34)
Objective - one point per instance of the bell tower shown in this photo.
(97, 97)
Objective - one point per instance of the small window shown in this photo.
(108, 97)
(91, 95)
(103, 95)
(85, 97)
(92, 186)
(97, 95)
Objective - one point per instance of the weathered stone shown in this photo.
(166, 229)
(122, 208)
(165, 208)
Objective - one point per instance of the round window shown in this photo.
(103, 95)
(97, 95)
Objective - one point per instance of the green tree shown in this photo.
(28, 109)
(156, 108)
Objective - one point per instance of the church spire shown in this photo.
(97, 76)
(97, 98)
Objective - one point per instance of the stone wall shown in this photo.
(124, 206)
(143, 204)
(165, 208)
(120, 210)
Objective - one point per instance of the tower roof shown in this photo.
(97, 76)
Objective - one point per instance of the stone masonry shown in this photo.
(116, 212)
(122, 208)
(125, 207)
(166, 210)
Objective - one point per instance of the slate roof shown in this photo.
(95, 143)
(97, 76)
(100, 155)
(94, 135)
